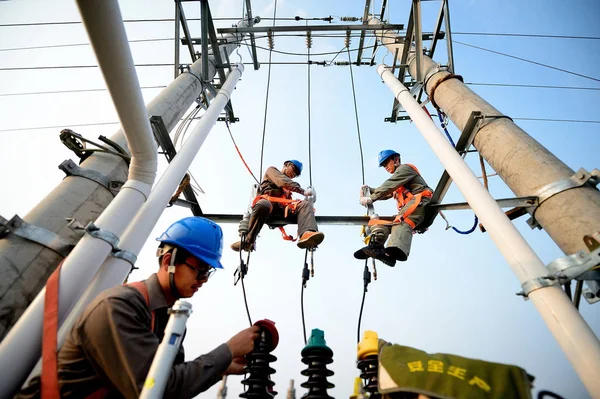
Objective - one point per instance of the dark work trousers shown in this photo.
(263, 208)
(400, 234)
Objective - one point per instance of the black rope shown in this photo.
(246, 301)
(362, 161)
(305, 277)
(243, 270)
(262, 146)
(309, 144)
(367, 279)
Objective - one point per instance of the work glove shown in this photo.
(311, 194)
(365, 190)
(366, 201)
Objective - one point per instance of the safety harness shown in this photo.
(403, 196)
(289, 204)
(49, 377)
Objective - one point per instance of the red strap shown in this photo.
(286, 236)
(143, 289)
(49, 377)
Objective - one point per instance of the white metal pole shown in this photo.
(115, 270)
(573, 334)
(21, 348)
(160, 370)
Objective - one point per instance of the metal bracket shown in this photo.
(39, 235)
(579, 179)
(104, 235)
(571, 267)
(72, 169)
(127, 256)
(563, 270)
(536, 284)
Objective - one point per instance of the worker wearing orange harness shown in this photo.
(275, 197)
(109, 350)
(412, 194)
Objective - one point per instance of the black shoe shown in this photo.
(396, 253)
(375, 252)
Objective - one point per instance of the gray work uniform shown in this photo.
(272, 184)
(111, 346)
(401, 234)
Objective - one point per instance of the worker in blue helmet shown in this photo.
(110, 348)
(412, 194)
(275, 198)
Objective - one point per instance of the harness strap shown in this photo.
(286, 236)
(290, 206)
(143, 289)
(49, 376)
(405, 216)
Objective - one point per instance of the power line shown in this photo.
(556, 120)
(78, 44)
(73, 67)
(138, 20)
(60, 126)
(527, 35)
(533, 86)
(68, 91)
(529, 61)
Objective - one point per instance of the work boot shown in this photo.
(375, 252)
(396, 253)
(248, 246)
(310, 239)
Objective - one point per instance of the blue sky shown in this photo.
(456, 293)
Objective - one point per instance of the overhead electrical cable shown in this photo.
(533, 86)
(529, 61)
(239, 153)
(262, 146)
(362, 161)
(68, 91)
(527, 35)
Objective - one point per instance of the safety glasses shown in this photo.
(203, 274)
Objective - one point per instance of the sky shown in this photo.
(455, 294)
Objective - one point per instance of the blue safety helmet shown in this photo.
(199, 236)
(297, 164)
(385, 155)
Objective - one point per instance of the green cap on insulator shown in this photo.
(317, 342)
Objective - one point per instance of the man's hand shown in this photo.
(237, 366)
(311, 192)
(365, 201)
(243, 342)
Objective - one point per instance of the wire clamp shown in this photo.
(579, 179)
(127, 256)
(39, 235)
(72, 169)
(102, 234)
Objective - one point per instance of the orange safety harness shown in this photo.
(403, 196)
(49, 377)
(285, 200)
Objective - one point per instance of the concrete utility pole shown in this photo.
(523, 163)
(26, 265)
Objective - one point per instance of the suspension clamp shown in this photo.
(104, 235)
(563, 270)
(581, 178)
(39, 235)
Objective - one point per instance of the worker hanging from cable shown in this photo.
(275, 198)
(412, 194)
